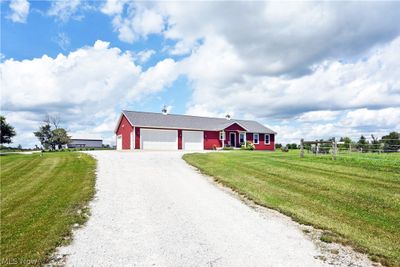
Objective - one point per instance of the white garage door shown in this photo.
(192, 140)
(159, 139)
(119, 142)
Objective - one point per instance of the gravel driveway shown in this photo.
(152, 209)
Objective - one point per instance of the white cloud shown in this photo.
(322, 115)
(366, 83)
(87, 88)
(145, 55)
(381, 118)
(63, 10)
(113, 7)
(20, 10)
(139, 22)
(156, 78)
(270, 37)
(62, 40)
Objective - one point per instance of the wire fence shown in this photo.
(374, 150)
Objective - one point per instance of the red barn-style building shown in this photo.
(162, 131)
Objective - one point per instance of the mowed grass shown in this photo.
(40, 199)
(357, 196)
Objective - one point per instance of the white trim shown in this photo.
(118, 123)
(230, 140)
(223, 135)
(245, 137)
(234, 123)
(183, 139)
(269, 139)
(258, 139)
(133, 139)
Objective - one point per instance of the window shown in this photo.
(222, 135)
(266, 139)
(242, 138)
(255, 138)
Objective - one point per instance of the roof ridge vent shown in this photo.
(164, 110)
(227, 116)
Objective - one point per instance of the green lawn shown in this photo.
(40, 199)
(357, 196)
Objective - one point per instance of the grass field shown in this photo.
(40, 199)
(356, 197)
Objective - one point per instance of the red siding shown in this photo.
(234, 127)
(261, 145)
(211, 138)
(179, 139)
(125, 130)
(137, 138)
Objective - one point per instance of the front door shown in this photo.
(232, 139)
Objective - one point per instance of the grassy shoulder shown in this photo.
(357, 199)
(40, 200)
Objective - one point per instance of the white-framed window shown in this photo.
(256, 138)
(242, 138)
(266, 139)
(222, 135)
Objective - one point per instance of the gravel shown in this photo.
(152, 209)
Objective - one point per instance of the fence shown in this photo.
(334, 148)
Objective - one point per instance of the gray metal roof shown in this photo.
(159, 120)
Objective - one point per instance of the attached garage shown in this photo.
(192, 140)
(154, 139)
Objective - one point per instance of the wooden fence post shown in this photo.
(334, 147)
(302, 148)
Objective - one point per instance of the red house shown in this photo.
(162, 131)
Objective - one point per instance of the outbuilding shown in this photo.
(162, 131)
(85, 143)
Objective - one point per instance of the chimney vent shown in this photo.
(227, 116)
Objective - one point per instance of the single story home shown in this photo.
(87, 143)
(162, 131)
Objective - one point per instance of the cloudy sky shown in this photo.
(306, 69)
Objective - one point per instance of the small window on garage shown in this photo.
(222, 135)
(256, 138)
(266, 139)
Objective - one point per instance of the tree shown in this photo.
(7, 131)
(52, 138)
(59, 138)
(346, 142)
(391, 142)
(44, 135)
(375, 144)
(362, 144)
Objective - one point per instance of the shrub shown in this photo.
(285, 149)
(249, 146)
(227, 148)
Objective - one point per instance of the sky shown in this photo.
(307, 70)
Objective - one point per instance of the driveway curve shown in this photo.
(152, 209)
